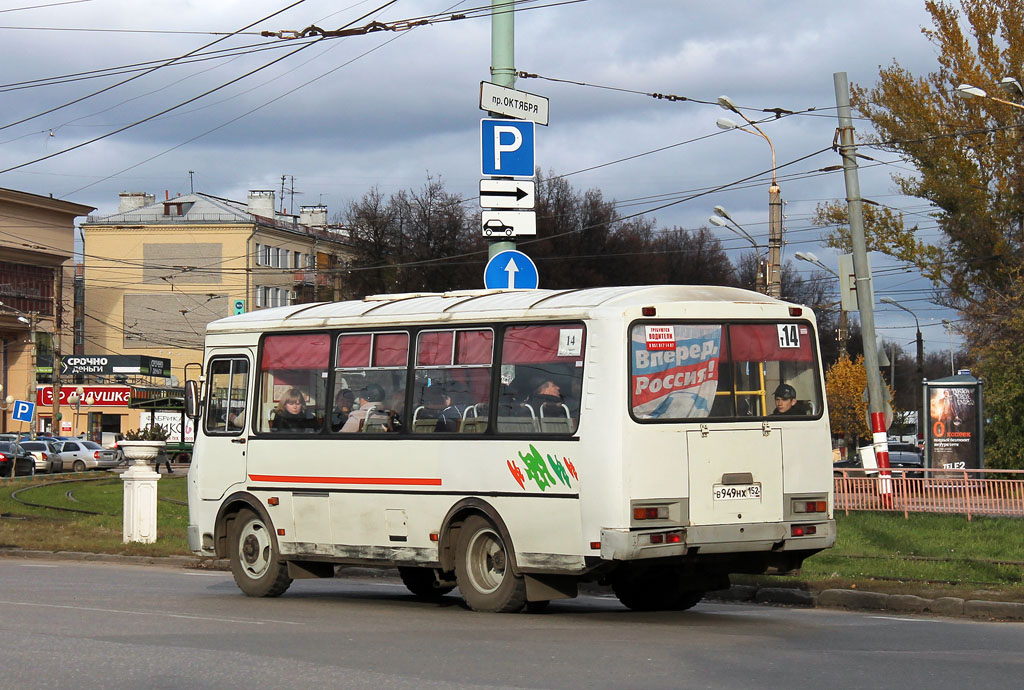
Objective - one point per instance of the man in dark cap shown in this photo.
(370, 398)
(785, 400)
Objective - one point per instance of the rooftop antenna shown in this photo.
(191, 189)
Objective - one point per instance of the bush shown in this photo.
(154, 432)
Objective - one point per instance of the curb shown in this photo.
(845, 599)
(855, 600)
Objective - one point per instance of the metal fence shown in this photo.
(965, 492)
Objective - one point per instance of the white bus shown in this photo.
(515, 443)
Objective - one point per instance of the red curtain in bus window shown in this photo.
(530, 344)
(354, 350)
(296, 351)
(435, 349)
(390, 349)
(762, 343)
(473, 347)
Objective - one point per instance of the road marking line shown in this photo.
(149, 613)
(36, 565)
(908, 620)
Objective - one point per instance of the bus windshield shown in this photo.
(723, 371)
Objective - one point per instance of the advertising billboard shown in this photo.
(953, 431)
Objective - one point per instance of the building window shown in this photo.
(259, 254)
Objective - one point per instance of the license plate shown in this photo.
(730, 492)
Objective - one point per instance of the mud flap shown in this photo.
(547, 587)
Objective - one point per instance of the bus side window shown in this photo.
(293, 383)
(542, 377)
(373, 367)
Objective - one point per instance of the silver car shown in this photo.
(46, 454)
(79, 456)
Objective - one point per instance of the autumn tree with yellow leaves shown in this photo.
(845, 382)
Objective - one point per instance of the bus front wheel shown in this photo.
(255, 560)
(483, 569)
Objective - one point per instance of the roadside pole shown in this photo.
(503, 73)
(876, 403)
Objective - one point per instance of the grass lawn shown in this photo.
(928, 555)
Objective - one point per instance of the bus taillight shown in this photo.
(802, 530)
(810, 506)
(651, 513)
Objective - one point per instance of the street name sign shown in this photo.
(506, 148)
(502, 100)
(508, 223)
(507, 193)
(510, 270)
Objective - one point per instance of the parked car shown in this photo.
(79, 456)
(46, 454)
(904, 460)
(14, 453)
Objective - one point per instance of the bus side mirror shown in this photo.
(192, 399)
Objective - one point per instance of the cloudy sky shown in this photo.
(392, 108)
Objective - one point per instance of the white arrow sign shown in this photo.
(511, 269)
(507, 193)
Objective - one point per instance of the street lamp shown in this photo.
(722, 219)
(920, 350)
(774, 197)
(949, 328)
(1008, 84)
(815, 261)
(75, 399)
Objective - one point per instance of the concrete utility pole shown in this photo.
(774, 236)
(58, 326)
(503, 73)
(876, 404)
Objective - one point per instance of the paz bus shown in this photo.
(514, 443)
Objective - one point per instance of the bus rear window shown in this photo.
(723, 371)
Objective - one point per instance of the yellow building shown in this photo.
(37, 239)
(157, 272)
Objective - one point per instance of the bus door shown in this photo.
(735, 476)
(225, 425)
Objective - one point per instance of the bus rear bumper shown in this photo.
(630, 545)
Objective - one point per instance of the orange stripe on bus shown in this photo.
(392, 481)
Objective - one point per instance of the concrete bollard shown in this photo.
(139, 504)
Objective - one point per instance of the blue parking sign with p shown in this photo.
(507, 147)
(22, 411)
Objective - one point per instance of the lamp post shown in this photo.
(722, 219)
(815, 261)
(920, 355)
(949, 328)
(774, 198)
(1010, 85)
(75, 399)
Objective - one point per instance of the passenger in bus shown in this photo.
(291, 414)
(343, 404)
(369, 400)
(785, 400)
(547, 396)
(451, 414)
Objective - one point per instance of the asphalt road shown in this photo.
(90, 625)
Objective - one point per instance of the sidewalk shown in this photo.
(849, 599)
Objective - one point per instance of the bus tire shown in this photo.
(255, 559)
(483, 569)
(422, 583)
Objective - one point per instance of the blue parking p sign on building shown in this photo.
(507, 147)
(511, 270)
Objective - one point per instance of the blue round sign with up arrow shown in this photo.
(509, 270)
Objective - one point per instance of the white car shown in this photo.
(46, 454)
(79, 456)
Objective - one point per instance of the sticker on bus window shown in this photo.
(660, 337)
(508, 374)
(789, 335)
(570, 342)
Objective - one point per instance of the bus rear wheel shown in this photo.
(422, 583)
(255, 560)
(655, 589)
(483, 569)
